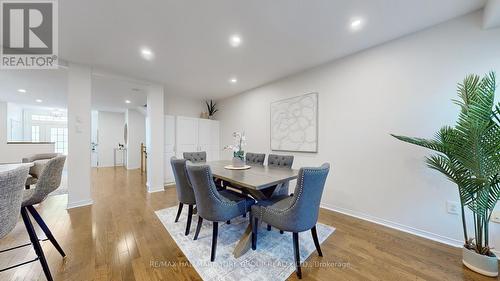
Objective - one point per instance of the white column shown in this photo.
(155, 138)
(135, 135)
(79, 112)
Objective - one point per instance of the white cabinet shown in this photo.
(195, 134)
(187, 134)
(169, 149)
(208, 138)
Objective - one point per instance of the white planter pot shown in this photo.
(482, 264)
(237, 162)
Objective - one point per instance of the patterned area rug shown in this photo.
(273, 259)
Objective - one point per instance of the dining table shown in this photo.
(259, 181)
(12, 166)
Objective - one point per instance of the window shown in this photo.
(35, 133)
(35, 117)
(59, 136)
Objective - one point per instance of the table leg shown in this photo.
(245, 242)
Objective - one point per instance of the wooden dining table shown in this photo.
(260, 181)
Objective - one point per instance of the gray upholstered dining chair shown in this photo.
(214, 205)
(296, 213)
(284, 162)
(201, 157)
(49, 180)
(185, 193)
(255, 158)
(280, 161)
(195, 157)
(39, 161)
(11, 195)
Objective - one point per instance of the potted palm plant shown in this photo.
(211, 109)
(468, 154)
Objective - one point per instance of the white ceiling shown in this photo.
(190, 38)
(190, 42)
(108, 93)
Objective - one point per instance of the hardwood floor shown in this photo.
(120, 238)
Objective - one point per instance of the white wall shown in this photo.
(110, 130)
(11, 153)
(402, 87)
(14, 122)
(136, 124)
(183, 106)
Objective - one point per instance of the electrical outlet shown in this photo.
(495, 217)
(452, 207)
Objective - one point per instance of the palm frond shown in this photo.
(469, 152)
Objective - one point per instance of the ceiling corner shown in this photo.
(491, 15)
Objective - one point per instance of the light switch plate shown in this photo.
(452, 207)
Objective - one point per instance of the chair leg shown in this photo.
(268, 227)
(316, 241)
(198, 227)
(190, 217)
(214, 240)
(45, 229)
(297, 254)
(179, 212)
(254, 233)
(36, 244)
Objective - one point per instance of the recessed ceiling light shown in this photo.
(233, 80)
(356, 24)
(235, 40)
(21, 91)
(147, 54)
(127, 101)
(38, 100)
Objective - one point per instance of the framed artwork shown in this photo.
(294, 124)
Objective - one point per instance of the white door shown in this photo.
(169, 147)
(186, 135)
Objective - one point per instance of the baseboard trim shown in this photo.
(395, 225)
(401, 227)
(154, 190)
(78, 204)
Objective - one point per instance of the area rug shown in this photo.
(273, 259)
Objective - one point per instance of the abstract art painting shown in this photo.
(294, 124)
